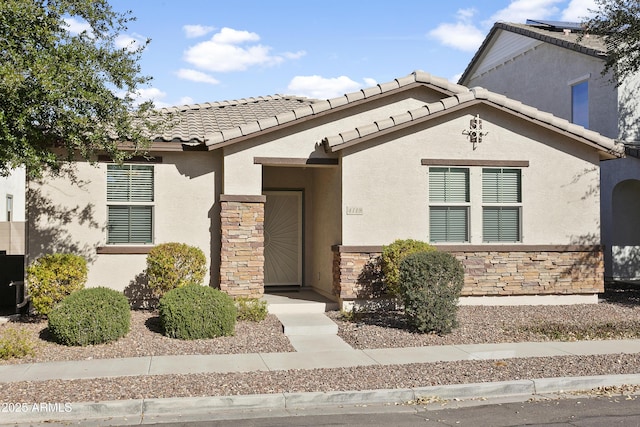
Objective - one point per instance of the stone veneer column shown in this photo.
(242, 246)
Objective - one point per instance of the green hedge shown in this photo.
(52, 277)
(430, 286)
(90, 316)
(392, 256)
(197, 312)
(172, 265)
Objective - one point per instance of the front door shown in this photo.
(283, 238)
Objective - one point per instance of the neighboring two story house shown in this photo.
(286, 192)
(556, 67)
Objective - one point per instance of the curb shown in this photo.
(142, 411)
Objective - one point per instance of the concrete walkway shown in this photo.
(313, 350)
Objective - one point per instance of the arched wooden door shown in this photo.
(283, 238)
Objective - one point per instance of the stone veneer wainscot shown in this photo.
(491, 270)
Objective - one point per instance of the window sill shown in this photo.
(123, 250)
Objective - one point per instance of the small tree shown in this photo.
(173, 265)
(67, 87)
(618, 21)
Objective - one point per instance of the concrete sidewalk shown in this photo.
(141, 411)
(221, 363)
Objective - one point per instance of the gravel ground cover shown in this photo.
(618, 315)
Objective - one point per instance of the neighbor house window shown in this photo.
(9, 207)
(130, 204)
(580, 104)
(501, 210)
(449, 204)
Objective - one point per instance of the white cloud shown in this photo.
(193, 31)
(463, 34)
(578, 10)
(147, 94)
(76, 27)
(294, 55)
(186, 100)
(519, 11)
(233, 50)
(196, 76)
(322, 87)
(130, 42)
(370, 82)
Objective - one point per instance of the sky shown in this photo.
(215, 50)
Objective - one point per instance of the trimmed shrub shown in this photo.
(16, 343)
(252, 309)
(430, 285)
(392, 256)
(195, 312)
(52, 277)
(172, 265)
(90, 316)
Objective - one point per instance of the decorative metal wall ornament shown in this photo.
(475, 133)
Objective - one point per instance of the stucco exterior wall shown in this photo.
(385, 186)
(620, 177)
(71, 216)
(243, 177)
(542, 78)
(327, 229)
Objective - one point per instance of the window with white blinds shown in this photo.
(501, 212)
(449, 204)
(130, 199)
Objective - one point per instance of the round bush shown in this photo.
(430, 286)
(392, 256)
(54, 276)
(172, 265)
(195, 312)
(90, 316)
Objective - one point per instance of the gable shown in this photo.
(505, 47)
(606, 147)
(590, 45)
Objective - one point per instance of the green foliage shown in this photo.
(430, 285)
(252, 309)
(392, 256)
(197, 312)
(619, 21)
(16, 343)
(52, 277)
(172, 265)
(90, 316)
(63, 92)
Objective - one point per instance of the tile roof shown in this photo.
(190, 123)
(221, 137)
(588, 44)
(461, 100)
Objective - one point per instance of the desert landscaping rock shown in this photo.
(477, 325)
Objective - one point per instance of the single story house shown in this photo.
(287, 193)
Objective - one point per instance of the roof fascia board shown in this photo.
(605, 153)
(404, 125)
(355, 103)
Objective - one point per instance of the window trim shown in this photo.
(440, 204)
(516, 205)
(573, 85)
(131, 203)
